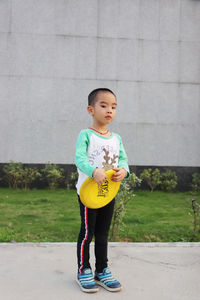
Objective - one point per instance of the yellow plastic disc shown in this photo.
(94, 196)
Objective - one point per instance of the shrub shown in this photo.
(195, 182)
(122, 198)
(152, 178)
(19, 177)
(28, 176)
(168, 181)
(73, 179)
(53, 175)
(13, 174)
(124, 195)
(196, 218)
(133, 181)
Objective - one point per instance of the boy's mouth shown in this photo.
(108, 117)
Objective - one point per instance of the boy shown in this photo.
(98, 150)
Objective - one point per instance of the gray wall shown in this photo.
(54, 52)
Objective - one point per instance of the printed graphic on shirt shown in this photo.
(107, 157)
(99, 152)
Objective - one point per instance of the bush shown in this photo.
(196, 218)
(13, 174)
(168, 181)
(195, 182)
(19, 177)
(152, 178)
(124, 195)
(53, 175)
(122, 198)
(28, 176)
(73, 179)
(133, 181)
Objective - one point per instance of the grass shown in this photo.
(38, 215)
(53, 216)
(159, 217)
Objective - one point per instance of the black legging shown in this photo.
(94, 222)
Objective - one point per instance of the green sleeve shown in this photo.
(123, 159)
(81, 158)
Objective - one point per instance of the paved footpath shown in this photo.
(47, 271)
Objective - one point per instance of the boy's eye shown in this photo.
(103, 106)
(114, 107)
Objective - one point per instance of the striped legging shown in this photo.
(94, 222)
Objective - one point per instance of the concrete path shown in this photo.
(47, 271)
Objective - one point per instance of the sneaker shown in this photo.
(106, 280)
(87, 282)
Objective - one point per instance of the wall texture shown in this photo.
(54, 52)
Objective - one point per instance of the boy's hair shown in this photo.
(92, 96)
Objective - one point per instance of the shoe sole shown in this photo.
(87, 290)
(107, 288)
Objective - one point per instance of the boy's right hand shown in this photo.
(99, 176)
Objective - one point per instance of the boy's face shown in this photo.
(104, 109)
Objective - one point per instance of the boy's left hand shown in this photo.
(119, 175)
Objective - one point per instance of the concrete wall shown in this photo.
(54, 52)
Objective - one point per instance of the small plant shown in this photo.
(19, 177)
(124, 195)
(53, 175)
(196, 215)
(152, 178)
(195, 182)
(133, 181)
(28, 176)
(73, 179)
(168, 181)
(13, 174)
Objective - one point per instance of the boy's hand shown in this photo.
(119, 175)
(99, 176)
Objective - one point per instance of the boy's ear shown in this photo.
(90, 110)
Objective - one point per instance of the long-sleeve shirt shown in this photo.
(96, 151)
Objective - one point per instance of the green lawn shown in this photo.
(53, 216)
(159, 217)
